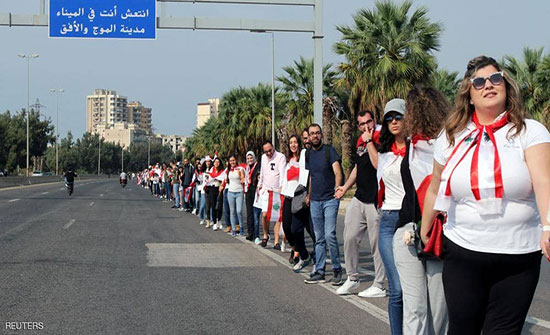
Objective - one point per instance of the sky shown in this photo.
(184, 67)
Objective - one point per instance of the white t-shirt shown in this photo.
(234, 182)
(517, 230)
(393, 185)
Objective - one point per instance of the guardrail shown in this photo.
(25, 181)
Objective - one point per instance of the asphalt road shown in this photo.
(118, 261)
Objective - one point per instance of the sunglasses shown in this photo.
(496, 79)
(396, 117)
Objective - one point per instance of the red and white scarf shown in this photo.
(485, 170)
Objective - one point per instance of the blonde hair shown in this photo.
(460, 115)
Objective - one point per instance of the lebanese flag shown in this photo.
(421, 165)
(187, 193)
(275, 207)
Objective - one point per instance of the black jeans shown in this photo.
(288, 220)
(301, 220)
(488, 292)
(249, 199)
(212, 211)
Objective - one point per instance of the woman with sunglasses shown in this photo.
(390, 196)
(491, 173)
(424, 308)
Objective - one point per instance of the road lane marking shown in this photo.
(91, 203)
(14, 200)
(68, 224)
(45, 192)
(101, 195)
(537, 321)
(61, 189)
(363, 304)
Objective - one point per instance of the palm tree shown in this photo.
(447, 83)
(530, 73)
(387, 51)
(298, 85)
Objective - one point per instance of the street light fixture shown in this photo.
(60, 90)
(272, 81)
(28, 57)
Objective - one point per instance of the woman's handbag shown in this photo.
(299, 199)
(434, 249)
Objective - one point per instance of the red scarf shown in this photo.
(489, 194)
(215, 172)
(398, 152)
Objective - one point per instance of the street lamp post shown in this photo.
(272, 81)
(60, 90)
(28, 57)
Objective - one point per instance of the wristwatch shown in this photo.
(368, 141)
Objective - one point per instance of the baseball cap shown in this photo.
(395, 105)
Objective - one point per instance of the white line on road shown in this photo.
(61, 189)
(68, 224)
(363, 304)
(538, 322)
(91, 203)
(101, 195)
(14, 200)
(45, 192)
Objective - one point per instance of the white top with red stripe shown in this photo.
(517, 229)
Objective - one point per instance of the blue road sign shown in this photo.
(134, 19)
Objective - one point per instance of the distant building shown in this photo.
(205, 110)
(140, 116)
(121, 133)
(175, 142)
(105, 108)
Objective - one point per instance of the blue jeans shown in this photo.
(257, 219)
(235, 200)
(197, 198)
(168, 189)
(176, 190)
(226, 213)
(323, 215)
(202, 205)
(388, 223)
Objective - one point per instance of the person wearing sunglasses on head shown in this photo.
(492, 176)
(390, 196)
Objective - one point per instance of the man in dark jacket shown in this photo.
(187, 178)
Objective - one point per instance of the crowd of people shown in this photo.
(482, 165)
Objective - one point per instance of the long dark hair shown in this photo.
(203, 166)
(289, 153)
(386, 138)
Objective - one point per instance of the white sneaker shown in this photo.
(373, 292)
(283, 247)
(194, 211)
(215, 226)
(348, 286)
(181, 209)
(257, 241)
(202, 222)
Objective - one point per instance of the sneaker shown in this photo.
(373, 292)
(215, 227)
(257, 241)
(181, 209)
(277, 246)
(283, 247)
(302, 264)
(194, 211)
(234, 233)
(316, 278)
(348, 286)
(202, 222)
(337, 278)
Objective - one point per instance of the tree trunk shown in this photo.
(347, 137)
(328, 115)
